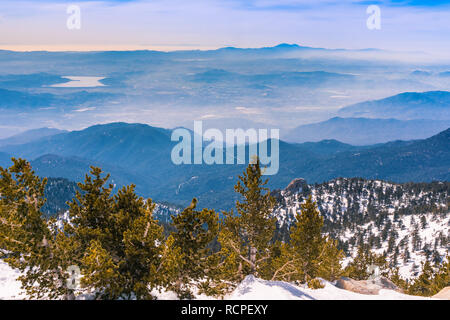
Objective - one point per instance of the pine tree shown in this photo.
(307, 240)
(423, 222)
(391, 243)
(359, 267)
(423, 284)
(120, 232)
(329, 266)
(442, 276)
(284, 265)
(246, 237)
(28, 240)
(113, 240)
(309, 254)
(394, 276)
(144, 245)
(416, 240)
(101, 272)
(194, 233)
(406, 255)
(432, 279)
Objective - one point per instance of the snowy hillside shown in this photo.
(409, 222)
(164, 211)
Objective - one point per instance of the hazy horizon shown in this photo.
(167, 25)
(182, 74)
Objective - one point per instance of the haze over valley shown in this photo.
(284, 87)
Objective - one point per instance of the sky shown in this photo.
(413, 25)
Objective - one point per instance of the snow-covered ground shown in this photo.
(404, 227)
(9, 286)
(250, 289)
(257, 289)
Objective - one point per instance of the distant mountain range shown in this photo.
(406, 116)
(419, 160)
(285, 85)
(126, 145)
(29, 136)
(366, 131)
(405, 106)
(140, 154)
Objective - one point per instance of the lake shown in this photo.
(80, 82)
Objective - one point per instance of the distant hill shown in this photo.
(5, 159)
(421, 73)
(327, 147)
(11, 99)
(225, 123)
(414, 161)
(57, 192)
(405, 106)
(365, 131)
(126, 145)
(75, 169)
(32, 80)
(141, 154)
(29, 136)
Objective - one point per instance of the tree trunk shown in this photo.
(253, 260)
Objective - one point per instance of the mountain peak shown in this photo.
(287, 45)
(296, 186)
(404, 106)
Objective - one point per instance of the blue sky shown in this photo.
(406, 25)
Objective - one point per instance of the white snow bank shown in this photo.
(9, 286)
(257, 289)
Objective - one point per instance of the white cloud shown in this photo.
(245, 110)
